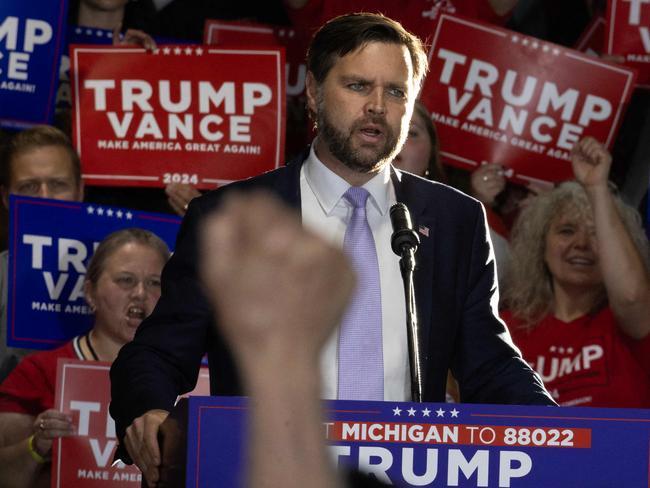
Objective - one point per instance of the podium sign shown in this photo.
(506, 98)
(420, 444)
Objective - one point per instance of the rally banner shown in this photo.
(505, 98)
(178, 114)
(83, 390)
(50, 244)
(628, 35)
(439, 445)
(31, 42)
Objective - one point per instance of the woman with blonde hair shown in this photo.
(578, 289)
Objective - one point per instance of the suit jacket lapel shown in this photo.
(289, 188)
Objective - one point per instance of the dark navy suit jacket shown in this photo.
(456, 295)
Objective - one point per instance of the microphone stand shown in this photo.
(404, 243)
(407, 267)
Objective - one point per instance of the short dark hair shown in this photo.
(347, 33)
(33, 138)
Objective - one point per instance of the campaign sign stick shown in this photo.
(439, 445)
(501, 97)
(31, 42)
(592, 40)
(628, 34)
(83, 390)
(180, 114)
(50, 244)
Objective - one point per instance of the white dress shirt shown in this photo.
(327, 213)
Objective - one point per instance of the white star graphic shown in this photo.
(515, 39)
(556, 51)
(129, 215)
(454, 413)
(440, 412)
(156, 51)
(90, 210)
(199, 51)
(89, 32)
(177, 50)
(100, 33)
(525, 42)
(77, 30)
(100, 211)
(545, 48)
(109, 212)
(166, 50)
(188, 51)
(411, 412)
(426, 412)
(119, 214)
(397, 411)
(535, 44)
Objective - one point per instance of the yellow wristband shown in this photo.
(32, 451)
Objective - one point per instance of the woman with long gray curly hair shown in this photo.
(578, 289)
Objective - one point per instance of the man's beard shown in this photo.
(357, 159)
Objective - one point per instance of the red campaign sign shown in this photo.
(83, 390)
(499, 96)
(178, 114)
(628, 34)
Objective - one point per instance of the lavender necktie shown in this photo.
(361, 361)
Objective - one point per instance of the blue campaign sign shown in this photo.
(50, 244)
(31, 42)
(419, 444)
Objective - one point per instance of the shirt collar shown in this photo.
(328, 187)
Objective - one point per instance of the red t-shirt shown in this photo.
(417, 16)
(30, 387)
(587, 362)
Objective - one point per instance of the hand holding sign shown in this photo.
(48, 426)
(487, 182)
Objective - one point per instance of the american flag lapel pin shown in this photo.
(424, 230)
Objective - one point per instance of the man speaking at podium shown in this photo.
(364, 73)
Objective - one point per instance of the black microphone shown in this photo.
(404, 238)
